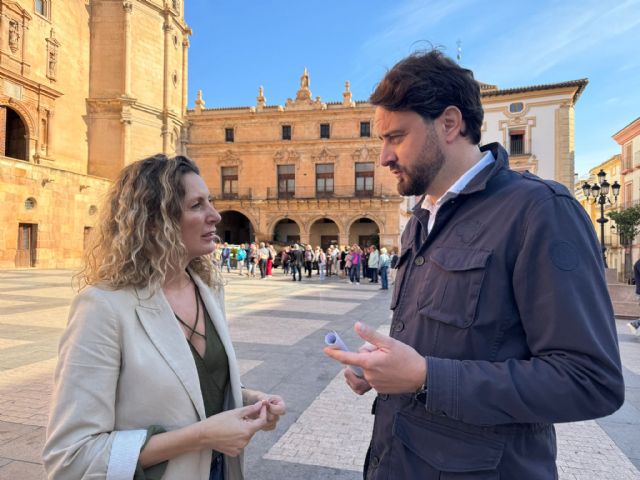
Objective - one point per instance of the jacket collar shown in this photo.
(479, 182)
(158, 320)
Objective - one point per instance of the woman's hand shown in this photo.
(229, 432)
(275, 409)
(275, 406)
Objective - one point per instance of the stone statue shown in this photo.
(14, 35)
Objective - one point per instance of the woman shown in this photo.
(147, 384)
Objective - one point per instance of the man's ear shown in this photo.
(452, 123)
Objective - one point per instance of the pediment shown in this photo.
(15, 7)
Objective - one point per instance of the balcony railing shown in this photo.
(339, 191)
(271, 193)
(241, 194)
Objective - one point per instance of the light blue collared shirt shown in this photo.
(456, 188)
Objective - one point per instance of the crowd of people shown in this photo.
(348, 262)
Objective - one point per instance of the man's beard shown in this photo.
(427, 166)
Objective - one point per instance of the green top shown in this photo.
(213, 373)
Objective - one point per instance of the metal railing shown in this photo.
(272, 193)
(339, 191)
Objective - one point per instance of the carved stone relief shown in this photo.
(14, 36)
(52, 55)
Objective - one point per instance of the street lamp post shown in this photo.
(600, 193)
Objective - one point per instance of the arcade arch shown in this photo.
(235, 228)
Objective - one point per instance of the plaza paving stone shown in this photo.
(278, 328)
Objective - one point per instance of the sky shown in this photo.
(237, 46)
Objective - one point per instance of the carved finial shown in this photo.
(347, 99)
(199, 102)
(260, 100)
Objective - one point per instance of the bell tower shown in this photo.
(138, 82)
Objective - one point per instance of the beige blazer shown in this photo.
(123, 366)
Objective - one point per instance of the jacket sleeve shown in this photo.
(81, 441)
(573, 371)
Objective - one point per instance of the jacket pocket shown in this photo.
(401, 267)
(453, 453)
(453, 284)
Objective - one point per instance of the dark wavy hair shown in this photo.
(138, 237)
(427, 83)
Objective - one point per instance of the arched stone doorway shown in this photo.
(15, 134)
(324, 232)
(235, 228)
(286, 231)
(364, 232)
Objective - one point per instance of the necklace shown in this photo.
(193, 329)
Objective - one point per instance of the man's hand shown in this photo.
(390, 367)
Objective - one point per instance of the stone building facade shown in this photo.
(88, 86)
(268, 165)
(85, 88)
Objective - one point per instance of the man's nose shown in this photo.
(387, 155)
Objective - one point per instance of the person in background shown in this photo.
(356, 260)
(384, 267)
(297, 259)
(373, 262)
(147, 384)
(241, 256)
(502, 323)
(226, 256)
(634, 325)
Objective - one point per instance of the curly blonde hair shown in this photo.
(138, 237)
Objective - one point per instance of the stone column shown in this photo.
(165, 93)
(128, 9)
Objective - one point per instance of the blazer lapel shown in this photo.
(159, 322)
(214, 303)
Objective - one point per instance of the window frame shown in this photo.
(289, 189)
(364, 174)
(324, 178)
(513, 150)
(366, 134)
(286, 128)
(229, 135)
(229, 180)
(325, 131)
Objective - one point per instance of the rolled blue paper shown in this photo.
(333, 340)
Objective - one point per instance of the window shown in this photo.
(364, 179)
(516, 107)
(42, 7)
(324, 179)
(516, 142)
(286, 181)
(365, 129)
(30, 203)
(324, 130)
(229, 182)
(286, 132)
(228, 135)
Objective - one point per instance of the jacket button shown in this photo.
(384, 396)
(375, 461)
(419, 261)
(399, 326)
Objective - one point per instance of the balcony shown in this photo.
(305, 193)
(241, 194)
(339, 191)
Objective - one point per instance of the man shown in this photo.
(373, 262)
(226, 256)
(634, 325)
(297, 259)
(502, 324)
